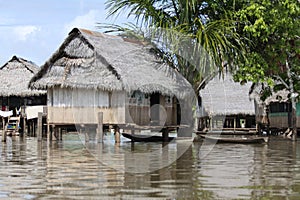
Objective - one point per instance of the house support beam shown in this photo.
(40, 126)
(100, 128)
(117, 134)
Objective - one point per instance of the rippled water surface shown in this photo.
(73, 169)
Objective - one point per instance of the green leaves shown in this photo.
(216, 38)
(273, 28)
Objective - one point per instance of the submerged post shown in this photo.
(39, 126)
(49, 132)
(3, 124)
(4, 134)
(100, 128)
(24, 126)
(117, 134)
(86, 132)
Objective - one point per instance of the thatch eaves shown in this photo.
(15, 76)
(223, 96)
(88, 59)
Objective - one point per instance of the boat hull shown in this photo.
(146, 138)
(242, 140)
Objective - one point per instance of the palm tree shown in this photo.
(195, 44)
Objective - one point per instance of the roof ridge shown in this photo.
(23, 61)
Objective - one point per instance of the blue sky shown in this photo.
(34, 29)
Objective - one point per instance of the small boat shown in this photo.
(146, 138)
(241, 140)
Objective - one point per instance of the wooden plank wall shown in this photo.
(85, 115)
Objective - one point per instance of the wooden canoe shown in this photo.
(145, 138)
(241, 140)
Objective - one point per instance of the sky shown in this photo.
(34, 29)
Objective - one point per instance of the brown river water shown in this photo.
(73, 169)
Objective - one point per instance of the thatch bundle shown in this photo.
(95, 60)
(223, 96)
(15, 76)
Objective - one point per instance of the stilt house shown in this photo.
(92, 72)
(14, 92)
(225, 104)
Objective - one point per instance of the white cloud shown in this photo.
(87, 21)
(25, 32)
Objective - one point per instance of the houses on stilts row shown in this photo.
(95, 82)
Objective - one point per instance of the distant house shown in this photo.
(275, 111)
(279, 110)
(225, 104)
(14, 92)
(93, 72)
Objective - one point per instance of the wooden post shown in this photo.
(165, 134)
(100, 128)
(3, 123)
(56, 133)
(39, 126)
(49, 133)
(4, 134)
(24, 126)
(33, 128)
(59, 134)
(86, 132)
(117, 134)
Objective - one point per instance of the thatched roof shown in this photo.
(15, 76)
(88, 59)
(223, 96)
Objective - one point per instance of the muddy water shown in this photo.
(73, 169)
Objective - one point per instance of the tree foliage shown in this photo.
(192, 30)
(273, 28)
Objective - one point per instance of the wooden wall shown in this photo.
(66, 97)
(80, 106)
(279, 121)
(141, 113)
(85, 115)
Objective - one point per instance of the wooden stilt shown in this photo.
(4, 134)
(117, 134)
(59, 134)
(39, 126)
(54, 132)
(49, 133)
(100, 128)
(33, 128)
(3, 123)
(54, 129)
(24, 126)
(86, 132)
(30, 128)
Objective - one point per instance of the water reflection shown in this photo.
(70, 170)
